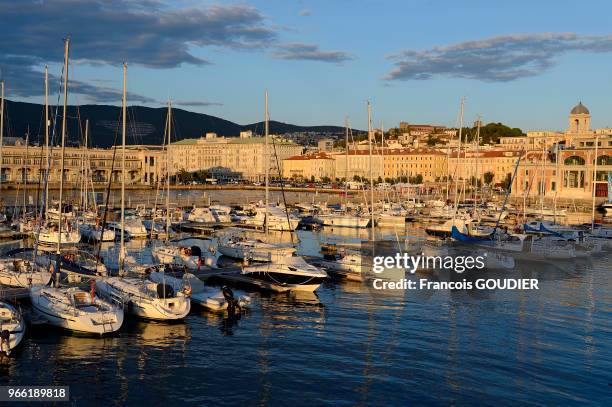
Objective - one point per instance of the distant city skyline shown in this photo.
(525, 64)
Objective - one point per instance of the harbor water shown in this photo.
(346, 345)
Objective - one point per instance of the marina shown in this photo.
(154, 254)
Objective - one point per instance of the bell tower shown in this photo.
(579, 119)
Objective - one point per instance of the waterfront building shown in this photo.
(569, 169)
(407, 163)
(28, 164)
(243, 156)
(475, 164)
(317, 165)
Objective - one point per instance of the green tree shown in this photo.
(488, 177)
(508, 181)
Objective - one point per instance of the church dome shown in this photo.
(580, 109)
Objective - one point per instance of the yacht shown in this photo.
(291, 273)
(342, 263)
(343, 220)
(76, 310)
(211, 215)
(134, 228)
(278, 219)
(243, 248)
(12, 328)
(93, 233)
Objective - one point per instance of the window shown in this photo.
(574, 179)
(574, 160)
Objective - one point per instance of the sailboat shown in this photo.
(18, 272)
(71, 307)
(144, 298)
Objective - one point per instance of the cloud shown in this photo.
(107, 32)
(198, 103)
(497, 59)
(309, 52)
(305, 13)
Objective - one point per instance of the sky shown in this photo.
(522, 63)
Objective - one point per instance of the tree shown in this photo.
(488, 177)
(356, 178)
(184, 176)
(417, 179)
(312, 178)
(326, 180)
(508, 181)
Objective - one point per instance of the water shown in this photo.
(346, 346)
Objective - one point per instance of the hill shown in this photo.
(145, 124)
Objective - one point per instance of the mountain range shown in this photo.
(145, 125)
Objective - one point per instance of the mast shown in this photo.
(24, 173)
(85, 166)
(346, 180)
(477, 160)
(458, 160)
(594, 184)
(168, 171)
(123, 114)
(543, 180)
(267, 163)
(61, 189)
(46, 138)
(1, 126)
(371, 169)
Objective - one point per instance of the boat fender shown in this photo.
(5, 338)
(92, 290)
(187, 290)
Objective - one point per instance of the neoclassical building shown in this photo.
(576, 165)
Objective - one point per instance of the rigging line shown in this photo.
(43, 209)
(283, 192)
(108, 190)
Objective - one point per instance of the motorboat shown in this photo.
(343, 220)
(243, 248)
(189, 257)
(146, 298)
(93, 233)
(278, 219)
(134, 228)
(216, 214)
(445, 229)
(210, 298)
(12, 328)
(342, 263)
(291, 273)
(76, 310)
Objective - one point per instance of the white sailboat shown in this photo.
(76, 310)
(144, 297)
(70, 307)
(243, 248)
(16, 272)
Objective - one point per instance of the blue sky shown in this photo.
(524, 63)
